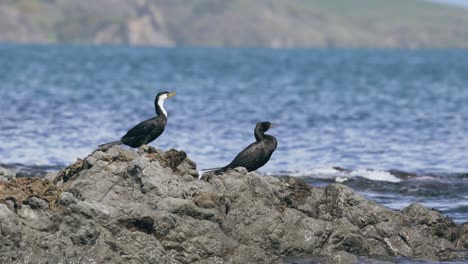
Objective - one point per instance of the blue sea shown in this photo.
(391, 124)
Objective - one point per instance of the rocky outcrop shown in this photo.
(123, 206)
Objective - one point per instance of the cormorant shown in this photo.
(148, 130)
(256, 154)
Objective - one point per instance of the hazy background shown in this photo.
(462, 3)
(235, 23)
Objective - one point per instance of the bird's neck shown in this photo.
(159, 106)
(259, 135)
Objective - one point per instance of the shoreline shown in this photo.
(331, 173)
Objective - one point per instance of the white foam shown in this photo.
(320, 173)
(344, 175)
(375, 175)
(341, 179)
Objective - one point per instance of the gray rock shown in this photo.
(66, 199)
(50, 176)
(37, 203)
(343, 257)
(145, 206)
(7, 174)
(10, 239)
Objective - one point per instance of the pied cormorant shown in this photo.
(148, 130)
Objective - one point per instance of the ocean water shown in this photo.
(392, 124)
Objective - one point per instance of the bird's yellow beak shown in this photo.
(169, 95)
(274, 125)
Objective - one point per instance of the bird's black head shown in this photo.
(264, 126)
(159, 102)
(165, 95)
(261, 128)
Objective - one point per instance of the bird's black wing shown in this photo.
(252, 157)
(144, 132)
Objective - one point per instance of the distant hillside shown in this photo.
(271, 23)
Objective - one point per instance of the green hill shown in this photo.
(270, 23)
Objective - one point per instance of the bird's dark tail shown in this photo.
(212, 170)
(110, 144)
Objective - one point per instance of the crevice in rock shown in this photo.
(324, 241)
(405, 239)
(144, 224)
(119, 180)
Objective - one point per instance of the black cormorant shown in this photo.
(256, 154)
(148, 130)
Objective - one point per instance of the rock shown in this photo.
(38, 203)
(461, 238)
(10, 239)
(50, 176)
(67, 199)
(7, 174)
(343, 257)
(124, 206)
(20, 190)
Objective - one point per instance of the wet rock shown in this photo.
(124, 206)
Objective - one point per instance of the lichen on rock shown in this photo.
(29, 190)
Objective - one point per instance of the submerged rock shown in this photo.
(123, 206)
